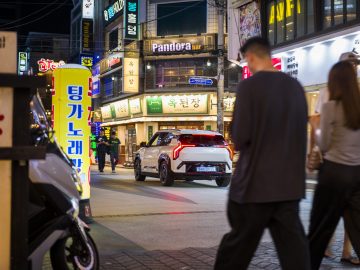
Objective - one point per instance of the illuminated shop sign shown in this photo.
(179, 104)
(48, 64)
(174, 47)
(281, 12)
(106, 112)
(113, 11)
(311, 63)
(87, 35)
(229, 104)
(277, 63)
(22, 62)
(87, 61)
(179, 45)
(88, 9)
(131, 19)
(135, 106)
(131, 75)
(111, 62)
(71, 115)
(121, 108)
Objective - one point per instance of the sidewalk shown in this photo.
(203, 259)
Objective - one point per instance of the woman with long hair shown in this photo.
(338, 191)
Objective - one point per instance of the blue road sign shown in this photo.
(200, 81)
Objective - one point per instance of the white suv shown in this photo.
(185, 154)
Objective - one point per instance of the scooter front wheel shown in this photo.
(69, 253)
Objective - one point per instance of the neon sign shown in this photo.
(112, 11)
(48, 64)
(280, 10)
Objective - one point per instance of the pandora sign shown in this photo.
(189, 44)
(171, 47)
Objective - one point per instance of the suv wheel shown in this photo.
(223, 181)
(137, 171)
(166, 177)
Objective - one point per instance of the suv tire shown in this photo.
(165, 174)
(137, 171)
(223, 181)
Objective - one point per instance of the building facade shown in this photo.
(165, 79)
(308, 36)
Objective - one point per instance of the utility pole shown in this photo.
(220, 70)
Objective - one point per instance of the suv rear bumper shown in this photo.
(200, 176)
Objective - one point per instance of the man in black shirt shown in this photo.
(102, 148)
(269, 129)
(114, 150)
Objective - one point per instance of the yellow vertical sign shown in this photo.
(71, 108)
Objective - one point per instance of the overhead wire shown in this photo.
(31, 14)
(35, 20)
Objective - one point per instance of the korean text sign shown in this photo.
(71, 108)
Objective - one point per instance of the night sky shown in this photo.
(52, 16)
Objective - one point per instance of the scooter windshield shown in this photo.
(41, 127)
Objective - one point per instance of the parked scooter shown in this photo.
(54, 224)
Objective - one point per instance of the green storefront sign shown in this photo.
(154, 105)
(113, 112)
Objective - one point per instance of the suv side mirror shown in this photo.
(143, 144)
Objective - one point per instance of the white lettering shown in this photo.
(172, 47)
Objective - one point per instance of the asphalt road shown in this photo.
(143, 225)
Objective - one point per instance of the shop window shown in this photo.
(310, 13)
(186, 18)
(300, 19)
(112, 85)
(338, 12)
(176, 74)
(327, 14)
(113, 39)
(271, 24)
(351, 9)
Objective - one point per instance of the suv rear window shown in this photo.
(202, 140)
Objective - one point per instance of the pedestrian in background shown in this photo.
(338, 190)
(315, 123)
(101, 149)
(269, 129)
(114, 150)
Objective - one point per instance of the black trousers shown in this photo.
(101, 160)
(114, 160)
(337, 194)
(248, 222)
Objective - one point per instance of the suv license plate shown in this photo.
(206, 169)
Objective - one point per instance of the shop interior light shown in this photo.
(148, 66)
(208, 63)
(113, 78)
(232, 65)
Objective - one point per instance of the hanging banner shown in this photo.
(131, 75)
(88, 9)
(131, 20)
(71, 110)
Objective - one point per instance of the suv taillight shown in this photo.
(179, 147)
(227, 148)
